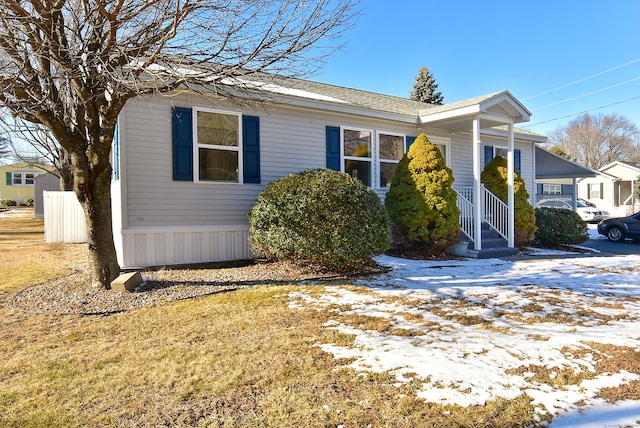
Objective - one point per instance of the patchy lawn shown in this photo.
(459, 343)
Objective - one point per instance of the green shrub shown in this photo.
(422, 204)
(28, 202)
(8, 203)
(560, 226)
(494, 176)
(321, 217)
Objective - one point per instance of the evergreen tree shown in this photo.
(421, 202)
(494, 177)
(425, 88)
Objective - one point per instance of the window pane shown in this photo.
(29, 179)
(391, 146)
(499, 151)
(360, 170)
(443, 150)
(217, 129)
(218, 165)
(387, 170)
(17, 178)
(357, 143)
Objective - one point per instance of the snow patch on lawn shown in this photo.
(474, 328)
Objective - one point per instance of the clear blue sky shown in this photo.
(478, 47)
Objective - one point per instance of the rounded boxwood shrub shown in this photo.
(494, 176)
(422, 204)
(321, 217)
(560, 226)
(8, 203)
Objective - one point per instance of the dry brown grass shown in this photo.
(242, 358)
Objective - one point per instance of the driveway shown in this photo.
(605, 247)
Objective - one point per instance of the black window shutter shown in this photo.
(488, 154)
(333, 148)
(409, 141)
(182, 144)
(601, 190)
(251, 148)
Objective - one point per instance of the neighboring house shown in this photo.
(188, 168)
(556, 180)
(18, 180)
(612, 188)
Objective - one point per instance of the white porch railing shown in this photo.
(465, 205)
(494, 212)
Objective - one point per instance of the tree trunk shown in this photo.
(66, 172)
(103, 262)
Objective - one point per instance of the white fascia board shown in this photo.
(450, 114)
(527, 137)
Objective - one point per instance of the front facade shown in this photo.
(18, 180)
(188, 168)
(612, 188)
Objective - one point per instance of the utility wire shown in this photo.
(587, 94)
(582, 80)
(581, 112)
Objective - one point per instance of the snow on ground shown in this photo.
(16, 212)
(475, 330)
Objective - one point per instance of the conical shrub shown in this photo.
(494, 177)
(421, 202)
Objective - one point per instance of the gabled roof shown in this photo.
(495, 109)
(625, 164)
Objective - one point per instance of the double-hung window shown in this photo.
(357, 145)
(390, 151)
(23, 178)
(551, 189)
(217, 148)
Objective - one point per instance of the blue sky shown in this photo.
(588, 49)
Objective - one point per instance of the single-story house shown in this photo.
(612, 188)
(19, 180)
(189, 166)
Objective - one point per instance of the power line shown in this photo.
(587, 94)
(582, 112)
(582, 80)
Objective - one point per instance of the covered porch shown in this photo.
(485, 221)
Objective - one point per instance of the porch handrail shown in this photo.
(495, 212)
(466, 210)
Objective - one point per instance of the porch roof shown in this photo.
(549, 165)
(493, 110)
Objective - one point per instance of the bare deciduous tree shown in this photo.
(595, 141)
(71, 65)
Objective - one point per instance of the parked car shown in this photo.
(588, 213)
(620, 228)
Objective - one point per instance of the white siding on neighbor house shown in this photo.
(624, 172)
(607, 199)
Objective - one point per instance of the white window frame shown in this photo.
(546, 189)
(370, 159)
(377, 173)
(22, 175)
(594, 191)
(446, 142)
(197, 146)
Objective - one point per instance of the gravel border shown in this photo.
(73, 294)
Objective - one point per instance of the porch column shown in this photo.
(574, 202)
(510, 188)
(477, 197)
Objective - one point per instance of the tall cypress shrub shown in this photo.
(494, 177)
(421, 202)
